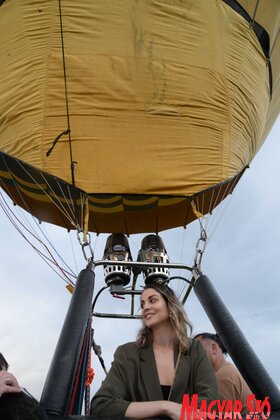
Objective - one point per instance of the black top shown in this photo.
(165, 389)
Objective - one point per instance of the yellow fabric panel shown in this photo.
(165, 97)
(139, 122)
(23, 70)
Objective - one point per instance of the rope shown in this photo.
(275, 41)
(255, 11)
(60, 207)
(90, 371)
(62, 210)
(73, 253)
(222, 208)
(48, 260)
(55, 141)
(196, 212)
(71, 209)
(58, 203)
(86, 219)
(66, 94)
(34, 220)
(79, 368)
(84, 372)
(84, 375)
(204, 221)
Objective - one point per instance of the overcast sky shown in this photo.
(242, 260)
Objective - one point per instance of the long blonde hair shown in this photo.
(178, 318)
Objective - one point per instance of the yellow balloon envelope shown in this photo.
(142, 114)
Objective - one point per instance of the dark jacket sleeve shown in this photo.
(20, 407)
(112, 399)
(204, 378)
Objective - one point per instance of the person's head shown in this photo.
(214, 348)
(3, 363)
(160, 306)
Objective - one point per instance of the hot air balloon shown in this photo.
(133, 116)
(144, 109)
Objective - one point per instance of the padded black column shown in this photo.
(236, 344)
(61, 375)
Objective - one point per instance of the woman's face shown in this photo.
(154, 308)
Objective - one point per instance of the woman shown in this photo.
(148, 378)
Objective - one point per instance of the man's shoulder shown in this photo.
(228, 370)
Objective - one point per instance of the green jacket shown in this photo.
(133, 377)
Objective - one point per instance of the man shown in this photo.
(230, 382)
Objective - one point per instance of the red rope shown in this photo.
(78, 373)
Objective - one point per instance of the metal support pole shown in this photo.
(235, 342)
(61, 375)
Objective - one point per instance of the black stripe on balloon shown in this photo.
(260, 32)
